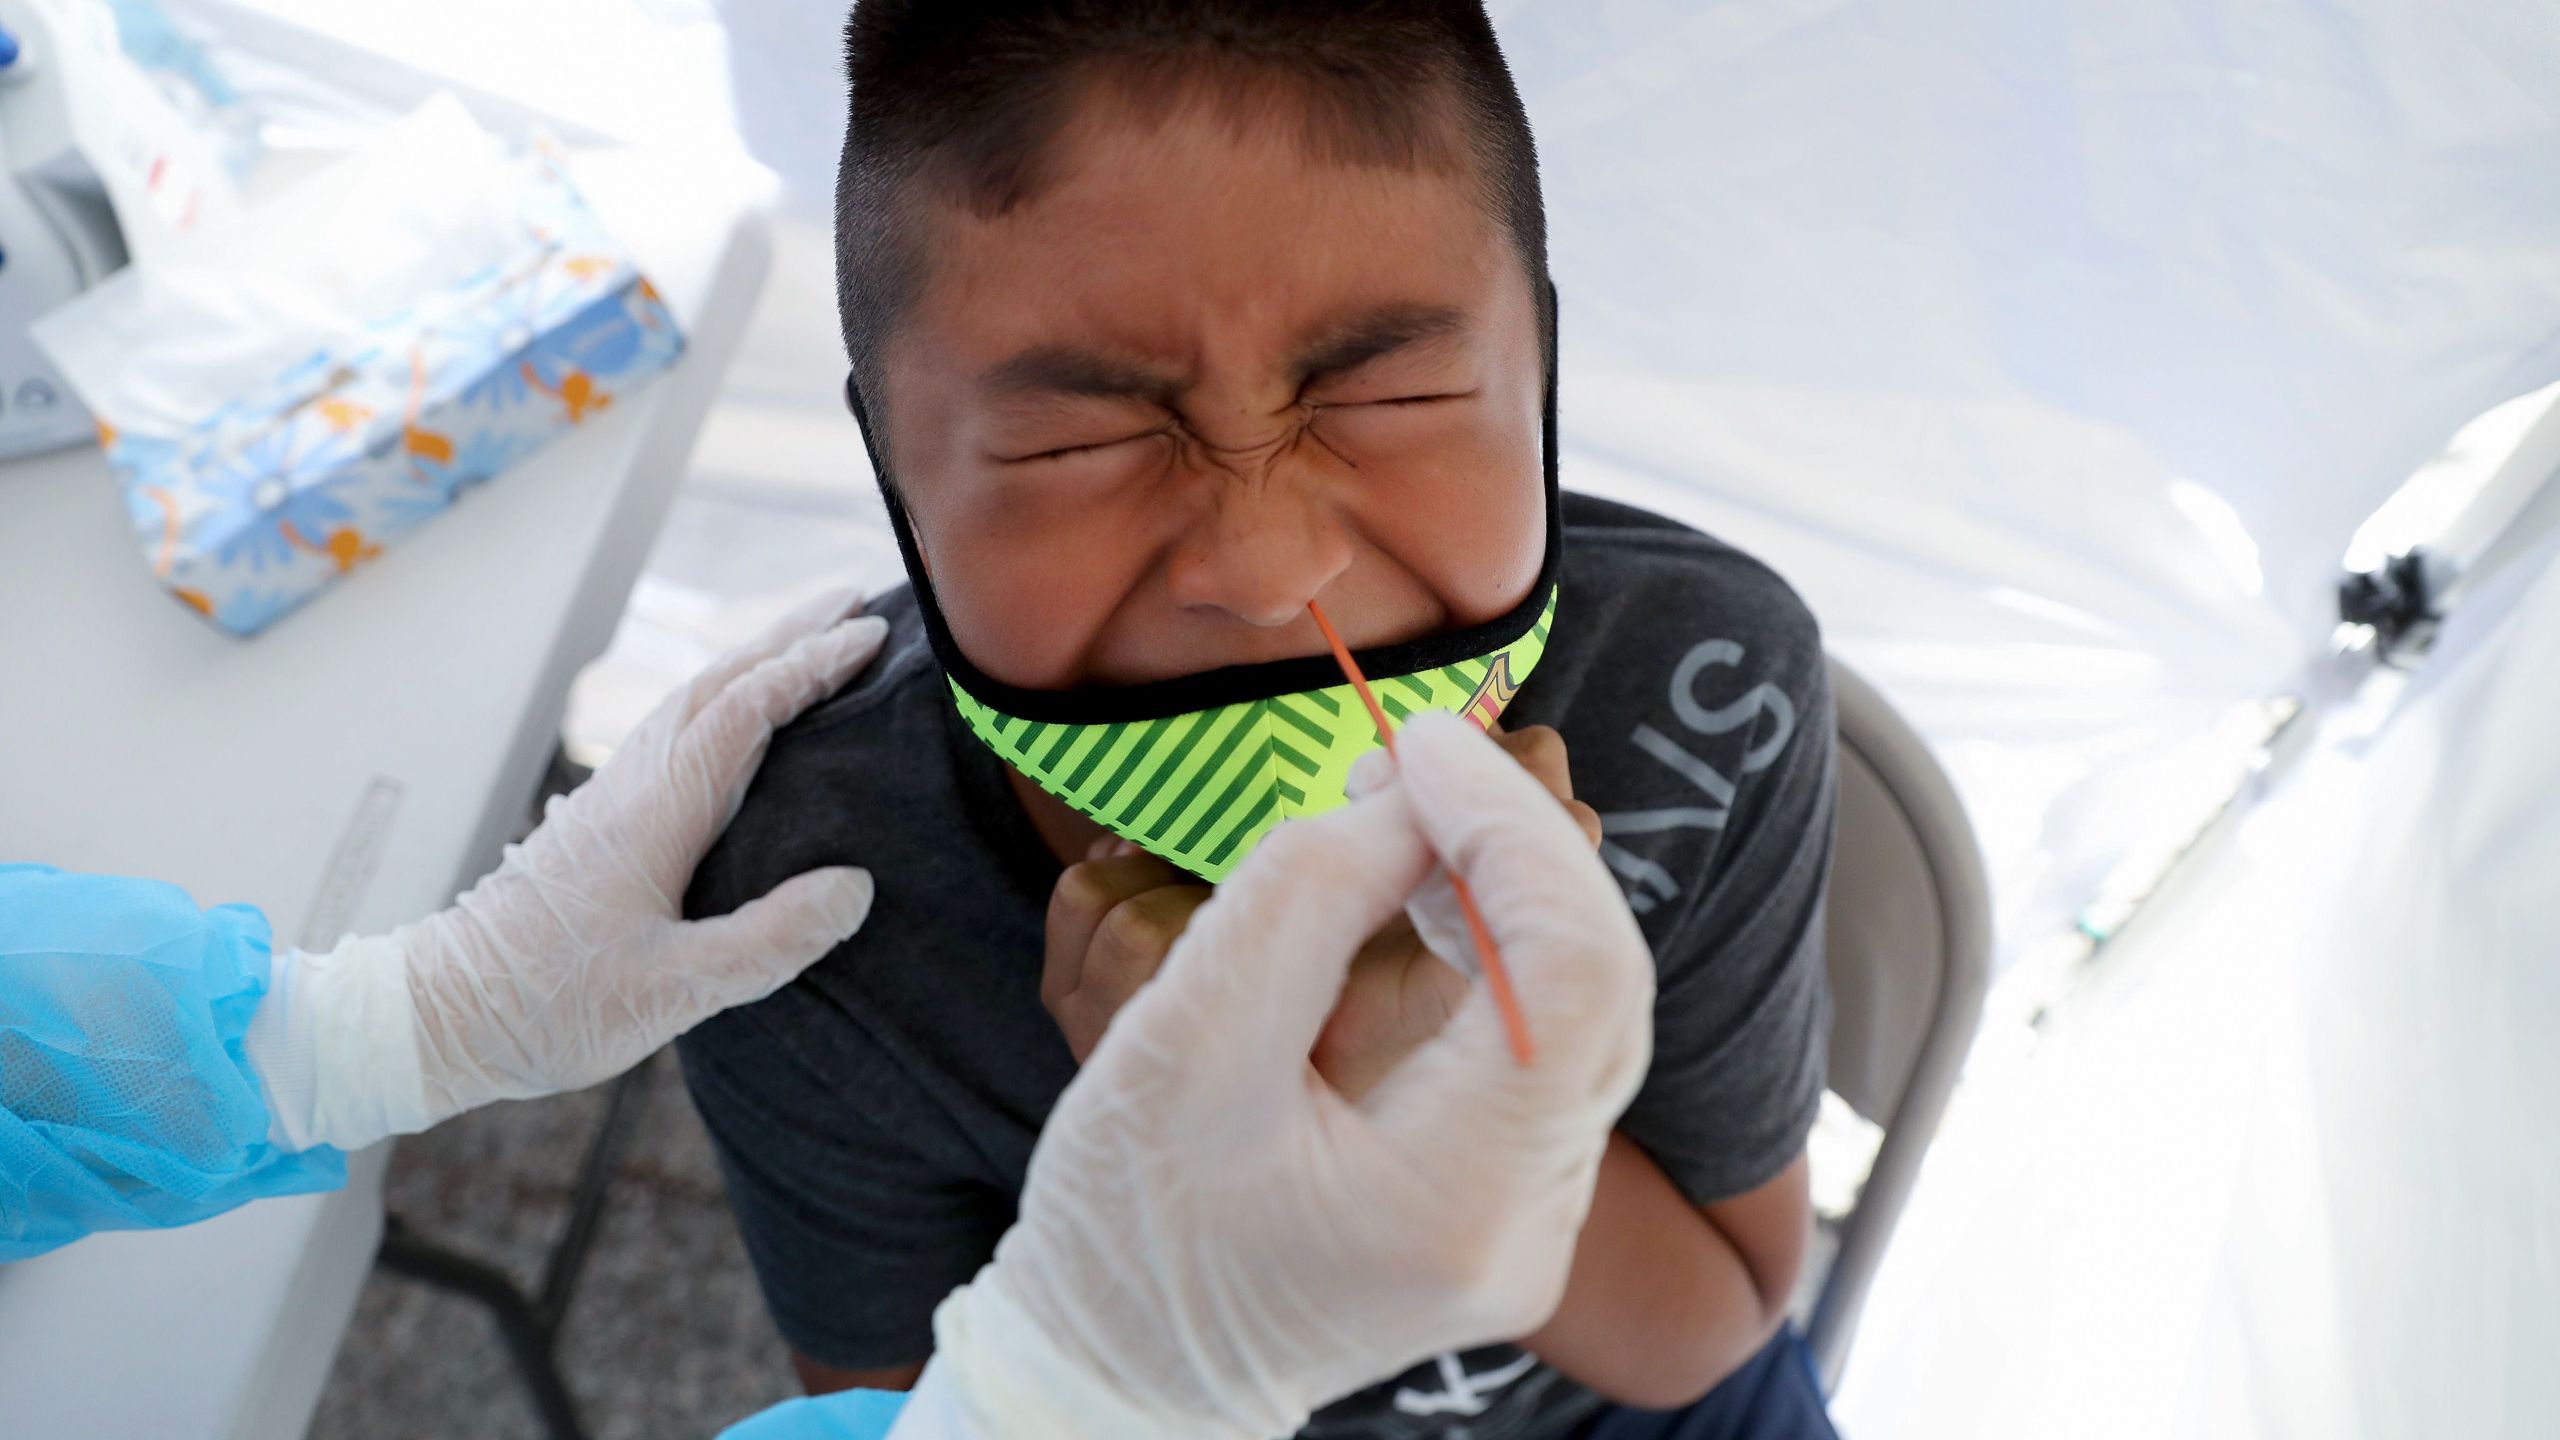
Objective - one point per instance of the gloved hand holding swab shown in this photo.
(1488, 954)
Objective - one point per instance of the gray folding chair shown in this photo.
(1908, 942)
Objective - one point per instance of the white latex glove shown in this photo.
(570, 962)
(1212, 1241)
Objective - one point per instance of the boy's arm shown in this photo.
(820, 1378)
(1723, 827)
(854, 1234)
(1665, 1298)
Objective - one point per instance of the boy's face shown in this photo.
(1200, 379)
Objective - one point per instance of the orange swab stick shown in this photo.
(1488, 955)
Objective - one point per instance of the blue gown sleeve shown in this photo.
(846, 1415)
(126, 1101)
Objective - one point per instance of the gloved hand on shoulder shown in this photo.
(571, 962)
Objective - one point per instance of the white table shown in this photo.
(351, 768)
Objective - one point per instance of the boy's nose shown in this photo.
(1261, 549)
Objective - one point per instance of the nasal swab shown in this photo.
(1488, 955)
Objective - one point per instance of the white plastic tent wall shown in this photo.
(2055, 348)
(2284, 1169)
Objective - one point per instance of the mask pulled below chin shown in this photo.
(1201, 787)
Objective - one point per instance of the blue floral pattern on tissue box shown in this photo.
(271, 499)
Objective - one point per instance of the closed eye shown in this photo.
(1397, 402)
(1069, 452)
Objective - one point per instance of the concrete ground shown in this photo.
(666, 1335)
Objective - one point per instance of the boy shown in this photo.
(1168, 317)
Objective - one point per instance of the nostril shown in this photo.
(1259, 573)
(1273, 616)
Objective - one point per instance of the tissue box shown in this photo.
(277, 492)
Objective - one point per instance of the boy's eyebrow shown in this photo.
(1361, 338)
(1346, 344)
(1066, 370)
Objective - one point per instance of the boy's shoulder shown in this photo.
(876, 747)
(1640, 571)
(1651, 607)
(1690, 685)
(904, 670)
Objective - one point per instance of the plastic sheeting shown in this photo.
(2055, 348)
(2284, 1170)
(318, 74)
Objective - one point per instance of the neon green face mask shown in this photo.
(1198, 769)
(1202, 786)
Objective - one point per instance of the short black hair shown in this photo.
(964, 95)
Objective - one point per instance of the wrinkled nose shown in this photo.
(1267, 541)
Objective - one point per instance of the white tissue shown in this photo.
(162, 345)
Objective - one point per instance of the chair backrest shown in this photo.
(1908, 947)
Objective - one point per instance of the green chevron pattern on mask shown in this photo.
(1201, 788)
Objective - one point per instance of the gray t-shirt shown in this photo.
(874, 1119)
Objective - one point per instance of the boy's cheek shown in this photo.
(1026, 579)
(1030, 614)
(1472, 527)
